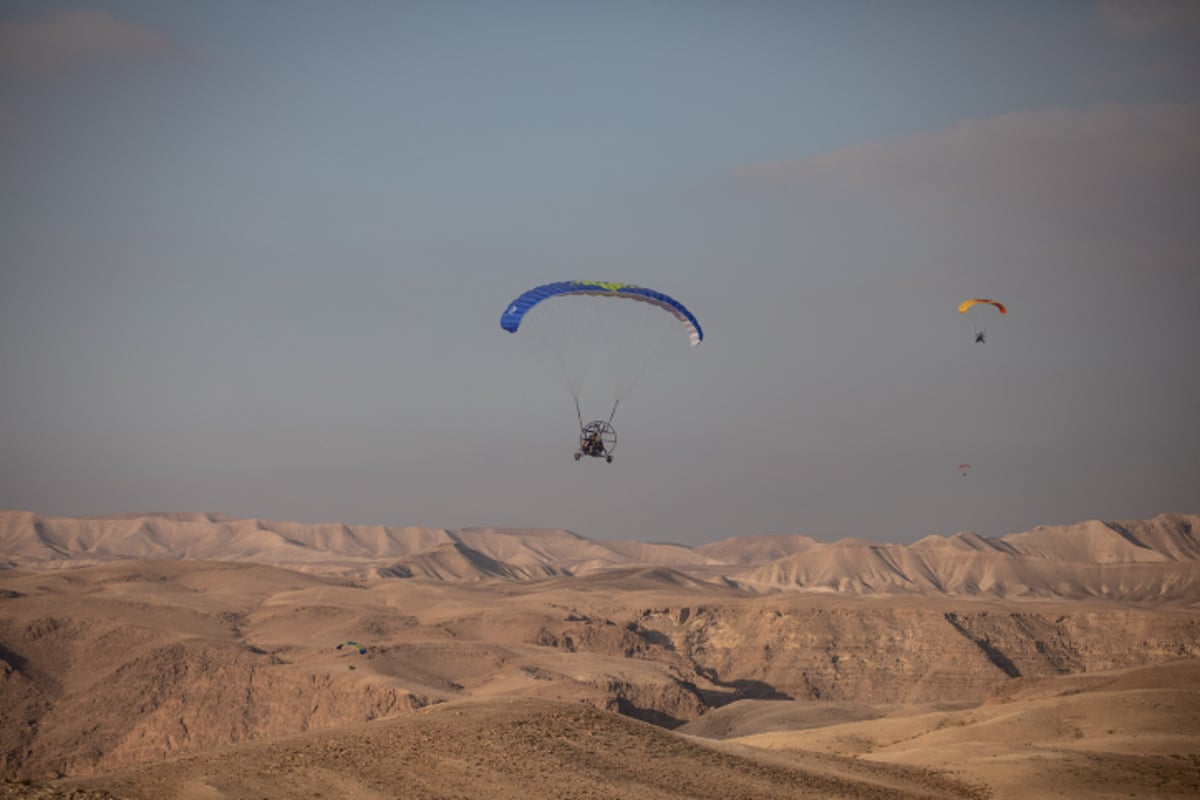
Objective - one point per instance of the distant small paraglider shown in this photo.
(963, 468)
(353, 646)
(980, 333)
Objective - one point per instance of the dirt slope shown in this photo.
(520, 749)
(1124, 733)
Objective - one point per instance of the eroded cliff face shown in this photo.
(76, 706)
(910, 655)
(864, 652)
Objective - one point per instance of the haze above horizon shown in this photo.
(253, 260)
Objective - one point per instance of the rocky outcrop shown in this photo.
(874, 654)
(89, 715)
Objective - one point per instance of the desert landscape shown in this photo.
(599, 401)
(199, 656)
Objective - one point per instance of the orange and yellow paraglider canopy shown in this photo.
(962, 308)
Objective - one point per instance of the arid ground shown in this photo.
(193, 656)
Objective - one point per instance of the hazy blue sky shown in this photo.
(253, 258)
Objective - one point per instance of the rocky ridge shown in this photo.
(1145, 561)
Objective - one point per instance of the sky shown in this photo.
(253, 259)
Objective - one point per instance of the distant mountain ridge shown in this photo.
(1135, 560)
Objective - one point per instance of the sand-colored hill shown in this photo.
(749, 550)
(33, 539)
(1122, 733)
(28, 539)
(457, 562)
(515, 750)
(1153, 561)
(925, 570)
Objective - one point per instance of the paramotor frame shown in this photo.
(597, 439)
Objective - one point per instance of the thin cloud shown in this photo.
(1124, 170)
(68, 39)
(1144, 18)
